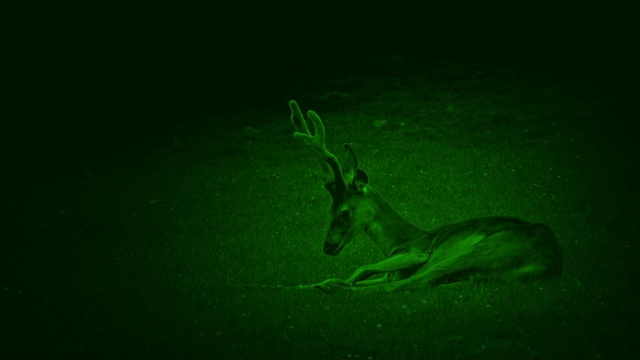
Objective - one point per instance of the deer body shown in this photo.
(488, 248)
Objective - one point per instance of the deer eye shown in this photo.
(345, 215)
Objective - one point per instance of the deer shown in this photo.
(493, 248)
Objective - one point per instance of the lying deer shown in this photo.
(489, 248)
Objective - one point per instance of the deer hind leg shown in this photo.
(541, 257)
(395, 263)
(525, 272)
(443, 275)
(434, 273)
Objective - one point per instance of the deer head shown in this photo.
(347, 184)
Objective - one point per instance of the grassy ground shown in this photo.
(144, 254)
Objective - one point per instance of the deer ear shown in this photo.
(349, 162)
(360, 180)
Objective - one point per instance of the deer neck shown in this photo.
(389, 230)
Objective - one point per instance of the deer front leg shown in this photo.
(330, 285)
(434, 271)
(395, 263)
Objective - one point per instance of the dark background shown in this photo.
(83, 89)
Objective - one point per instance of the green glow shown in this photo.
(490, 248)
(143, 249)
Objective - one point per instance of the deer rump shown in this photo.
(489, 248)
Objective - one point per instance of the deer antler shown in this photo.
(334, 180)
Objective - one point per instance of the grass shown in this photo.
(144, 255)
